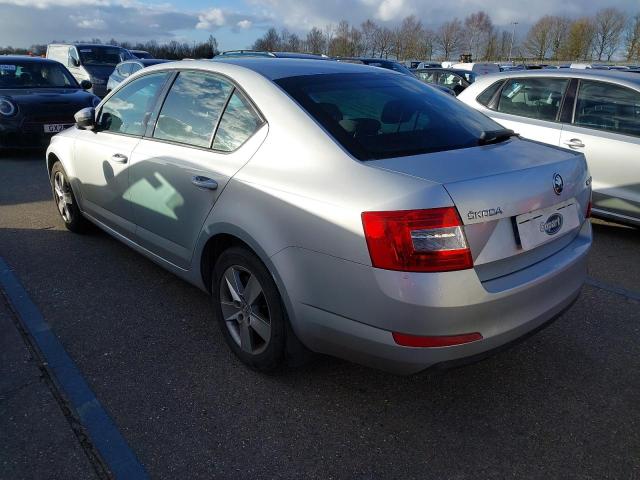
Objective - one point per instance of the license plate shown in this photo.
(55, 127)
(542, 226)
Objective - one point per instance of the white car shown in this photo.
(596, 112)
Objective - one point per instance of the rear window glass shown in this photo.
(381, 115)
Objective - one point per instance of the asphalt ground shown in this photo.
(563, 404)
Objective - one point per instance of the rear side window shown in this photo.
(381, 115)
(485, 97)
(128, 110)
(537, 98)
(192, 109)
(608, 107)
(238, 123)
(428, 76)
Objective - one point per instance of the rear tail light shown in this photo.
(407, 340)
(417, 240)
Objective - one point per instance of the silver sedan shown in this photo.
(332, 208)
(596, 112)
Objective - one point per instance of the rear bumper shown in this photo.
(17, 137)
(349, 310)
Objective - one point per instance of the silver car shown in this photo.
(596, 112)
(332, 207)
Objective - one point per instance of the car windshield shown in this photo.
(33, 74)
(381, 115)
(108, 56)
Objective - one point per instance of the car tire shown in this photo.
(249, 309)
(65, 200)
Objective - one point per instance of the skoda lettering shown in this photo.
(490, 212)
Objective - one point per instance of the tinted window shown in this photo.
(485, 97)
(34, 74)
(128, 110)
(533, 97)
(192, 109)
(380, 115)
(99, 55)
(608, 107)
(237, 124)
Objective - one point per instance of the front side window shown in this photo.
(428, 76)
(537, 98)
(379, 115)
(124, 70)
(450, 80)
(609, 107)
(192, 109)
(238, 123)
(129, 109)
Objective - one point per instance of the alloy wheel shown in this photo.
(63, 198)
(245, 309)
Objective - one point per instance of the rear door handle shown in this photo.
(119, 158)
(574, 143)
(204, 182)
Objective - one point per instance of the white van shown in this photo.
(89, 62)
(478, 68)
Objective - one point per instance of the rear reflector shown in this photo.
(417, 240)
(439, 341)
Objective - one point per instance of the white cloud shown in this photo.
(90, 23)
(211, 19)
(390, 10)
(244, 24)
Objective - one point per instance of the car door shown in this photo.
(178, 170)
(606, 128)
(101, 159)
(531, 106)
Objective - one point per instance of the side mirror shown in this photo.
(86, 85)
(86, 118)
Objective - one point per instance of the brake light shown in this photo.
(407, 340)
(417, 240)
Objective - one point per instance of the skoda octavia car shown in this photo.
(38, 98)
(332, 207)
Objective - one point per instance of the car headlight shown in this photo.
(95, 101)
(7, 107)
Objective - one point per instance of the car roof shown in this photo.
(91, 45)
(25, 58)
(621, 77)
(275, 68)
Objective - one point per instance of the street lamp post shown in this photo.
(513, 34)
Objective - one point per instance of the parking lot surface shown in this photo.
(563, 404)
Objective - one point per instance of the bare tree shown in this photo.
(315, 42)
(540, 39)
(428, 45)
(559, 33)
(579, 42)
(269, 42)
(609, 25)
(633, 39)
(369, 29)
(478, 28)
(383, 41)
(449, 37)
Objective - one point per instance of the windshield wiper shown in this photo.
(495, 136)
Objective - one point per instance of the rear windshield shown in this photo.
(31, 74)
(382, 115)
(106, 56)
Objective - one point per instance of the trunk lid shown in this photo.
(492, 185)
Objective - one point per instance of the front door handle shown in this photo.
(119, 158)
(204, 182)
(574, 143)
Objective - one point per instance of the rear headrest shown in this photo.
(398, 111)
(332, 110)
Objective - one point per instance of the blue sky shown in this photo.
(236, 24)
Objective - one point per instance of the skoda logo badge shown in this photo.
(552, 225)
(558, 184)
